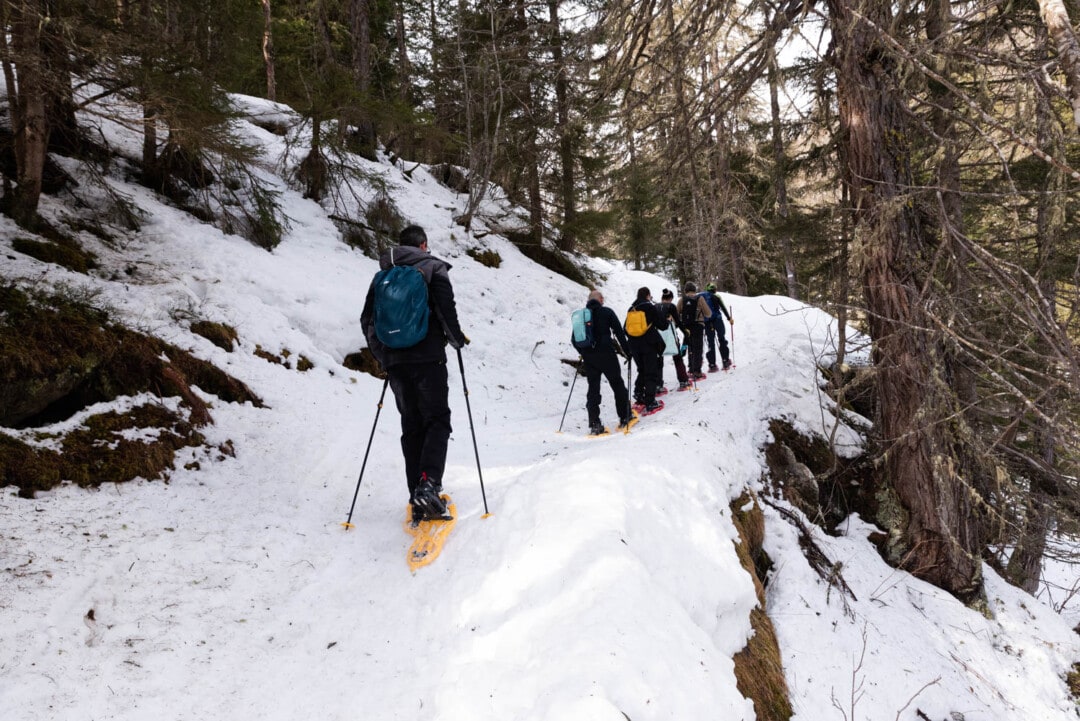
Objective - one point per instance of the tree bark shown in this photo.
(28, 107)
(404, 67)
(939, 540)
(1056, 18)
(64, 136)
(1025, 564)
(360, 17)
(780, 181)
(150, 168)
(268, 51)
(531, 151)
(567, 191)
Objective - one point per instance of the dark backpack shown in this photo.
(581, 320)
(688, 316)
(401, 306)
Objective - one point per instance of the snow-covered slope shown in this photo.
(605, 584)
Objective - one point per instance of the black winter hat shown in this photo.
(689, 288)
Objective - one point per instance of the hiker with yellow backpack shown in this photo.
(643, 325)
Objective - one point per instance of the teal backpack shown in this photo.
(581, 320)
(401, 306)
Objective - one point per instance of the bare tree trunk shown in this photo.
(313, 169)
(360, 16)
(149, 144)
(942, 119)
(404, 67)
(531, 152)
(939, 540)
(26, 83)
(268, 51)
(64, 136)
(843, 290)
(567, 190)
(150, 169)
(780, 180)
(1025, 563)
(438, 93)
(1056, 18)
(13, 95)
(484, 103)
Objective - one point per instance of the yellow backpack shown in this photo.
(636, 325)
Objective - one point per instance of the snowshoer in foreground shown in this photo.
(714, 328)
(417, 372)
(601, 360)
(643, 326)
(694, 313)
(671, 314)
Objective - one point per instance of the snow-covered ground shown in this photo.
(605, 584)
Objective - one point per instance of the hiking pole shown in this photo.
(348, 521)
(568, 399)
(731, 324)
(629, 387)
(483, 494)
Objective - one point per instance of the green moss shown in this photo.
(69, 255)
(58, 356)
(29, 469)
(97, 452)
(810, 449)
(222, 335)
(364, 361)
(1073, 679)
(489, 258)
(268, 356)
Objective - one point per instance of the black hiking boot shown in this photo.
(426, 499)
(418, 515)
(596, 429)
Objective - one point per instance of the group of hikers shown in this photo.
(647, 336)
(410, 316)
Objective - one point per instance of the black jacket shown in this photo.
(443, 325)
(604, 324)
(656, 322)
(670, 312)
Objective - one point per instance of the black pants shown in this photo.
(604, 363)
(714, 331)
(695, 340)
(647, 360)
(420, 392)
